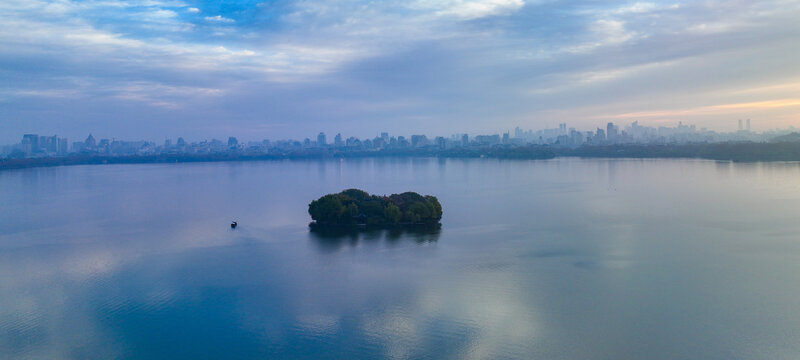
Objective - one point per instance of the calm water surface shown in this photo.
(561, 259)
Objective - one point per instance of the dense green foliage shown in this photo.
(357, 207)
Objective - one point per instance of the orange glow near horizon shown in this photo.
(713, 109)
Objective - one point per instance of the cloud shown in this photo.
(440, 66)
(643, 8)
(161, 95)
(220, 19)
(479, 8)
(161, 14)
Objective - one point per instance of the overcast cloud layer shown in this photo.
(151, 69)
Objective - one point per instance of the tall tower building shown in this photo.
(748, 124)
(740, 124)
(321, 139)
(62, 145)
(611, 132)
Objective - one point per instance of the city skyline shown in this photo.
(743, 125)
(173, 68)
(564, 136)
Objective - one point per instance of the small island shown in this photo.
(357, 208)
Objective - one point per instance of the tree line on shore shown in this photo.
(783, 149)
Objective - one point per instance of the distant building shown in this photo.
(378, 142)
(612, 132)
(488, 140)
(599, 136)
(90, 142)
(48, 144)
(77, 146)
(353, 142)
(337, 141)
(30, 143)
(419, 140)
(440, 142)
(232, 142)
(104, 146)
(321, 139)
(464, 140)
(402, 142)
(63, 146)
(575, 138)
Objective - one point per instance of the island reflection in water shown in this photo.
(334, 238)
(561, 259)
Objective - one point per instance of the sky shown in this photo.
(156, 69)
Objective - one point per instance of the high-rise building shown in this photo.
(385, 137)
(464, 140)
(748, 124)
(740, 125)
(62, 146)
(611, 132)
(48, 143)
(440, 142)
(562, 129)
(30, 143)
(337, 140)
(232, 142)
(90, 142)
(600, 136)
(321, 139)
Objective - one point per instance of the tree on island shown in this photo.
(353, 207)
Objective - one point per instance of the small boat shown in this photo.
(234, 225)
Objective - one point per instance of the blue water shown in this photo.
(558, 259)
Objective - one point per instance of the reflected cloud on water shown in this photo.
(566, 259)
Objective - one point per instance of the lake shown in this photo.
(556, 259)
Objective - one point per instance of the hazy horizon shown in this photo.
(330, 136)
(155, 69)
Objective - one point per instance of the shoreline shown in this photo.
(736, 152)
